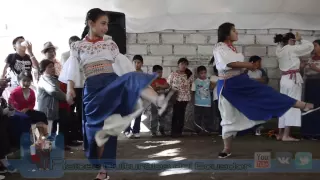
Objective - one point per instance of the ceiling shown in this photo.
(17, 14)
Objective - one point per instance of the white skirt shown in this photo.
(233, 120)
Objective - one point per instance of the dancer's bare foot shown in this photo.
(279, 137)
(224, 153)
(308, 107)
(290, 139)
(102, 176)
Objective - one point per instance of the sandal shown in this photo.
(103, 174)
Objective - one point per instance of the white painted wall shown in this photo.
(166, 47)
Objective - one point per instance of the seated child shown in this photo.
(23, 99)
(260, 75)
(202, 101)
(161, 86)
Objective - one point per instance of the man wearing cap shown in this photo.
(49, 50)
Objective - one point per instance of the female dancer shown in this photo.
(111, 90)
(243, 102)
(288, 53)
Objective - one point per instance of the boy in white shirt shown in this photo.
(260, 75)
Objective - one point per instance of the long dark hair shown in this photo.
(223, 34)
(284, 39)
(93, 15)
(188, 71)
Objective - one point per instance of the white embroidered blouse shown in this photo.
(85, 52)
(224, 55)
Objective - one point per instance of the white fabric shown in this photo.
(115, 124)
(223, 55)
(50, 123)
(293, 116)
(255, 74)
(288, 56)
(232, 119)
(214, 79)
(84, 52)
(64, 57)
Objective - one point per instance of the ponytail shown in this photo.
(85, 32)
(211, 61)
(188, 72)
(278, 38)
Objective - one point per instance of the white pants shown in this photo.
(293, 89)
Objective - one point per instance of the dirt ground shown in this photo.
(196, 147)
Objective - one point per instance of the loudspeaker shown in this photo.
(117, 29)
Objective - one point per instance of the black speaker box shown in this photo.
(117, 29)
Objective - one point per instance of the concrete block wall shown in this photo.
(166, 47)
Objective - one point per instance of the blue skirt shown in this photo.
(255, 100)
(104, 95)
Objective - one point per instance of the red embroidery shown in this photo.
(94, 40)
(231, 47)
(316, 58)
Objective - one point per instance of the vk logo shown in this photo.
(303, 160)
(284, 159)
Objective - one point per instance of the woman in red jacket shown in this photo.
(23, 99)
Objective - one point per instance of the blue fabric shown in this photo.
(202, 92)
(104, 95)
(19, 124)
(255, 100)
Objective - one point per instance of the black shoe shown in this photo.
(153, 134)
(223, 155)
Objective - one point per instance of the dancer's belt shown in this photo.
(292, 73)
(228, 75)
(98, 67)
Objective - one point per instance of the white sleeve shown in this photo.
(303, 49)
(224, 55)
(122, 64)
(193, 87)
(71, 68)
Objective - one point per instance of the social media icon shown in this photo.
(303, 160)
(283, 159)
(262, 160)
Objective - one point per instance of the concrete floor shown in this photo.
(196, 147)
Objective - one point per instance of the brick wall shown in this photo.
(166, 47)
